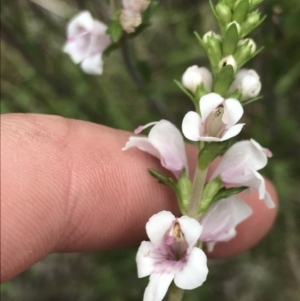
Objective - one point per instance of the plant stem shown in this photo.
(197, 189)
(130, 65)
(175, 293)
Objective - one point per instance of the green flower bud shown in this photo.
(213, 47)
(254, 3)
(223, 12)
(251, 22)
(244, 51)
(240, 11)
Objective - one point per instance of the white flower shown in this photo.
(87, 39)
(171, 254)
(228, 60)
(239, 166)
(217, 121)
(165, 142)
(247, 83)
(131, 15)
(220, 220)
(194, 76)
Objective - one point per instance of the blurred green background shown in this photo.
(37, 77)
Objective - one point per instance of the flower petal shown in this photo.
(233, 131)
(77, 50)
(158, 225)
(238, 160)
(195, 271)
(208, 103)
(233, 111)
(168, 140)
(93, 65)
(191, 126)
(99, 39)
(80, 24)
(142, 127)
(221, 219)
(268, 200)
(191, 230)
(143, 144)
(158, 286)
(145, 264)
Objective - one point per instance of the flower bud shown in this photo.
(194, 76)
(237, 26)
(209, 35)
(254, 3)
(247, 82)
(245, 49)
(228, 60)
(223, 12)
(137, 6)
(213, 48)
(251, 22)
(130, 20)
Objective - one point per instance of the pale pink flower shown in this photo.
(217, 121)
(164, 142)
(239, 166)
(171, 254)
(87, 39)
(194, 76)
(220, 220)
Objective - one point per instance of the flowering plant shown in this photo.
(210, 206)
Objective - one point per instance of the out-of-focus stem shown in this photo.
(175, 293)
(130, 65)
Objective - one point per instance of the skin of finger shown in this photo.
(67, 187)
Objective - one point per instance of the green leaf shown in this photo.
(230, 40)
(248, 101)
(114, 30)
(241, 11)
(209, 192)
(223, 80)
(162, 179)
(184, 90)
(224, 192)
(210, 151)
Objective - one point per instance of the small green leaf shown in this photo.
(248, 101)
(241, 10)
(223, 80)
(224, 192)
(230, 40)
(209, 192)
(162, 179)
(183, 191)
(210, 151)
(114, 30)
(184, 90)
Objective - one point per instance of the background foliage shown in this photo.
(37, 77)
